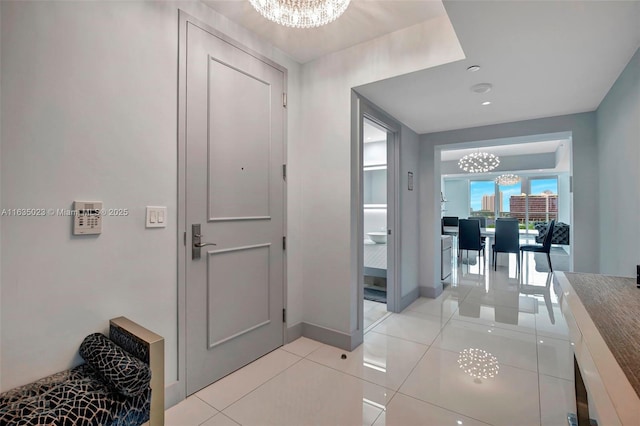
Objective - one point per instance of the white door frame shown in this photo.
(363, 108)
(178, 391)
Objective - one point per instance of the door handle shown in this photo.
(196, 237)
(199, 236)
(199, 245)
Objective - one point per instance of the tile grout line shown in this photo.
(404, 339)
(254, 389)
(494, 325)
(219, 413)
(424, 354)
(377, 322)
(265, 382)
(205, 402)
(415, 366)
(419, 361)
(538, 376)
(269, 380)
(443, 408)
(351, 375)
(508, 365)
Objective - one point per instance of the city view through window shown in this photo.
(540, 205)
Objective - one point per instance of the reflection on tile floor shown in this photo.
(407, 371)
(373, 312)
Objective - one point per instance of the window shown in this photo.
(533, 199)
(543, 199)
(482, 199)
(509, 205)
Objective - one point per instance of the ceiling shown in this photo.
(362, 21)
(544, 156)
(543, 58)
(506, 150)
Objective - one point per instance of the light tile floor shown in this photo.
(406, 372)
(373, 312)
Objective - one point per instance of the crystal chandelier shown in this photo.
(478, 364)
(507, 179)
(478, 162)
(301, 13)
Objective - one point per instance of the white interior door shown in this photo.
(235, 193)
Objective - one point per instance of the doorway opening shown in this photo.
(378, 236)
(375, 153)
(537, 191)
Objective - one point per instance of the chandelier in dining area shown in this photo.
(507, 179)
(478, 162)
(301, 13)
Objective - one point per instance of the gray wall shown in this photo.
(89, 92)
(456, 192)
(409, 217)
(89, 101)
(618, 119)
(85, 119)
(585, 185)
(564, 198)
(330, 264)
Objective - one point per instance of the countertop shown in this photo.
(603, 314)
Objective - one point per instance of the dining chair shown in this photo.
(469, 237)
(544, 248)
(450, 221)
(507, 240)
(482, 219)
(483, 224)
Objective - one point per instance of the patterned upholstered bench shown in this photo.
(121, 383)
(560, 233)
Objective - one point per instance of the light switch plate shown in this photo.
(156, 217)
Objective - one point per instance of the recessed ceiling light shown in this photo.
(485, 103)
(473, 68)
(482, 88)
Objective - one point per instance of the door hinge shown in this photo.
(184, 239)
(284, 171)
(284, 315)
(284, 99)
(284, 243)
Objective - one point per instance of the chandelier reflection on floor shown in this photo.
(301, 13)
(478, 364)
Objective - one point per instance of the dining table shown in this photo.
(490, 234)
(484, 232)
